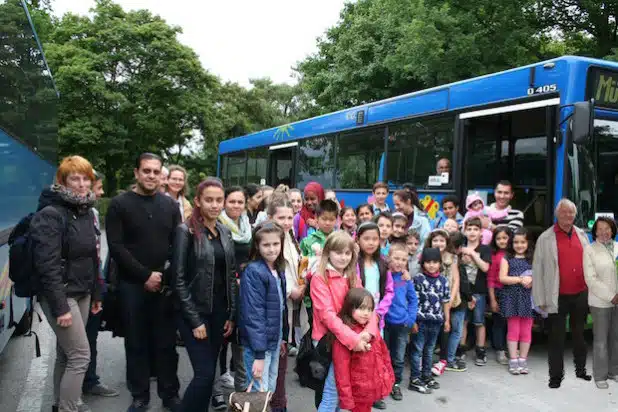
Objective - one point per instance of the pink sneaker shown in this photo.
(438, 368)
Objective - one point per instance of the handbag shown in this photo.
(250, 401)
(313, 362)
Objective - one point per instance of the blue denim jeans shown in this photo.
(330, 398)
(397, 340)
(477, 315)
(203, 355)
(457, 322)
(271, 368)
(421, 350)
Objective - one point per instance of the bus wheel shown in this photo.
(23, 326)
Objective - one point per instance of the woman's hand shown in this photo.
(257, 370)
(200, 332)
(64, 321)
(415, 328)
(472, 303)
(97, 306)
(447, 326)
(526, 281)
(228, 328)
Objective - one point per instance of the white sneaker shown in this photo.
(227, 380)
(438, 368)
(293, 351)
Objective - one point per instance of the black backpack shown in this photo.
(21, 266)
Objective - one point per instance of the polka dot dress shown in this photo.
(516, 300)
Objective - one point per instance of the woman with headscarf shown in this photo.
(305, 221)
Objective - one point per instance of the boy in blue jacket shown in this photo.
(401, 315)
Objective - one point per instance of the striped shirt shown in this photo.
(513, 219)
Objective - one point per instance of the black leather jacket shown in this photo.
(193, 265)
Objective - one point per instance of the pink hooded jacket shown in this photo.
(327, 301)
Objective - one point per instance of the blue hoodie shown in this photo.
(405, 302)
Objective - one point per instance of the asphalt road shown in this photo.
(25, 383)
(480, 388)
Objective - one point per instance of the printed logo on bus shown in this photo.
(430, 206)
(284, 132)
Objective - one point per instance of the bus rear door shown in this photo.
(514, 143)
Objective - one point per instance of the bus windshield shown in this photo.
(605, 159)
(594, 173)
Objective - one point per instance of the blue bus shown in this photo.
(28, 142)
(551, 128)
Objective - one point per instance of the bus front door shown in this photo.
(514, 143)
(281, 169)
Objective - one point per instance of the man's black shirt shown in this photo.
(140, 232)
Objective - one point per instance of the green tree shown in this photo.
(383, 48)
(588, 27)
(28, 98)
(127, 86)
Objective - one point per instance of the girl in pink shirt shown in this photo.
(499, 244)
(336, 274)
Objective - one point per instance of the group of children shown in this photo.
(380, 288)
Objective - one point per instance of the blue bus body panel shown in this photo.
(568, 74)
(22, 177)
(436, 101)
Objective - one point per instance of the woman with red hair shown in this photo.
(305, 221)
(64, 253)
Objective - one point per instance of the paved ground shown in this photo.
(25, 384)
(480, 388)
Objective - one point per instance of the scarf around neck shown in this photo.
(240, 233)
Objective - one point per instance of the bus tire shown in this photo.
(24, 325)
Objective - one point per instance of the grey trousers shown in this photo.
(605, 346)
(72, 354)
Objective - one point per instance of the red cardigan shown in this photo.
(362, 377)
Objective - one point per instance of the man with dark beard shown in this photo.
(140, 227)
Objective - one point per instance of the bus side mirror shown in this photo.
(582, 122)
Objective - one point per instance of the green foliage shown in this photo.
(589, 27)
(127, 86)
(28, 99)
(102, 206)
(382, 48)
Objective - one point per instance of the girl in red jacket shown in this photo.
(362, 377)
(335, 276)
